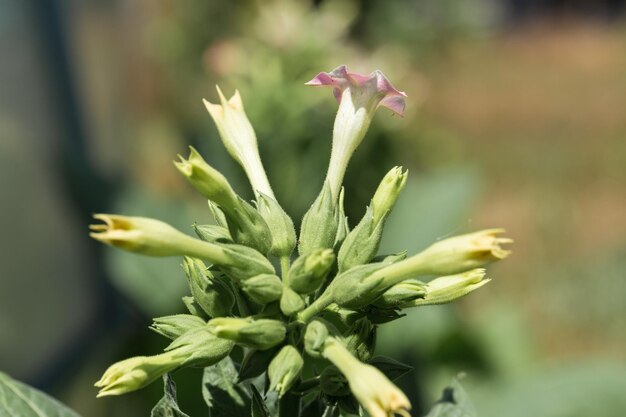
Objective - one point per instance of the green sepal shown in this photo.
(280, 224)
(211, 293)
(319, 224)
(362, 243)
(212, 233)
(176, 325)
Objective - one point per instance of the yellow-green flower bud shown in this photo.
(199, 347)
(360, 339)
(259, 334)
(285, 369)
(245, 262)
(320, 223)
(211, 293)
(451, 256)
(309, 271)
(280, 225)
(362, 244)
(207, 180)
(212, 233)
(239, 139)
(357, 287)
(372, 389)
(134, 373)
(401, 294)
(245, 224)
(176, 325)
(388, 192)
(262, 289)
(291, 302)
(315, 337)
(153, 238)
(332, 382)
(449, 288)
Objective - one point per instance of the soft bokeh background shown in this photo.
(516, 118)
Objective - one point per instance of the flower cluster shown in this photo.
(321, 306)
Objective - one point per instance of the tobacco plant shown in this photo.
(283, 323)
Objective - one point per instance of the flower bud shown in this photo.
(291, 302)
(239, 139)
(388, 192)
(309, 271)
(174, 326)
(372, 389)
(361, 245)
(285, 369)
(315, 337)
(360, 339)
(207, 180)
(359, 96)
(245, 224)
(451, 256)
(152, 237)
(320, 223)
(401, 294)
(212, 233)
(134, 373)
(357, 287)
(244, 262)
(211, 293)
(262, 289)
(199, 347)
(280, 225)
(449, 288)
(259, 334)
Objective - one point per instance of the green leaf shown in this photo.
(20, 400)
(390, 367)
(168, 405)
(221, 392)
(259, 409)
(454, 402)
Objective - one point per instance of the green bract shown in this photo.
(318, 314)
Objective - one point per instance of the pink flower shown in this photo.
(374, 88)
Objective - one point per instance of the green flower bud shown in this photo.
(199, 347)
(320, 223)
(285, 369)
(207, 180)
(357, 287)
(291, 302)
(211, 293)
(196, 347)
(332, 382)
(152, 237)
(451, 256)
(309, 271)
(244, 262)
(388, 192)
(193, 307)
(174, 326)
(134, 373)
(245, 224)
(449, 288)
(315, 337)
(361, 245)
(259, 334)
(280, 225)
(212, 233)
(401, 294)
(263, 289)
(361, 339)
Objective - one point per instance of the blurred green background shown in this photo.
(516, 117)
